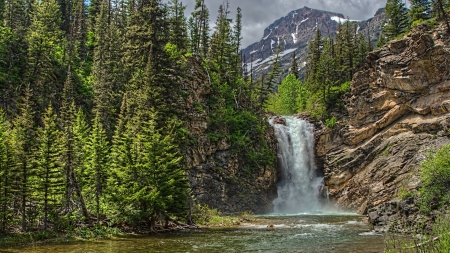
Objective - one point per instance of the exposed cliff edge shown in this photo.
(398, 108)
(215, 171)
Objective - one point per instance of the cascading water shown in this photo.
(299, 187)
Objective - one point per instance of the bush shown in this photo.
(331, 122)
(435, 177)
(404, 193)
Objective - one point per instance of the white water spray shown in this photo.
(299, 186)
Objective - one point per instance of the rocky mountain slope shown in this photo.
(293, 32)
(215, 172)
(398, 110)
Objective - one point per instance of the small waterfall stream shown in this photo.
(299, 188)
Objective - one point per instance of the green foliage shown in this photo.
(205, 216)
(49, 176)
(435, 177)
(404, 193)
(398, 21)
(289, 91)
(419, 10)
(331, 122)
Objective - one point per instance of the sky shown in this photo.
(258, 14)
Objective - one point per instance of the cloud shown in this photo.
(258, 14)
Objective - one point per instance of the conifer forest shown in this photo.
(92, 121)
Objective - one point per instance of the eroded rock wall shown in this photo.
(398, 109)
(215, 172)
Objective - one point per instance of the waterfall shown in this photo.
(299, 186)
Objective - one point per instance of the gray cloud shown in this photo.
(258, 14)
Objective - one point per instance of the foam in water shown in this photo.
(299, 186)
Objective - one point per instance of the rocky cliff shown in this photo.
(293, 32)
(398, 109)
(215, 172)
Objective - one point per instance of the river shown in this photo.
(328, 233)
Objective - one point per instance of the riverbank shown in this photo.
(343, 233)
(211, 219)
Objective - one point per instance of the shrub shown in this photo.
(435, 177)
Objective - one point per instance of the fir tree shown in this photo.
(6, 165)
(419, 10)
(294, 66)
(97, 162)
(45, 51)
(13, 59)
(398, 22)
(24, 140)
(49, 177)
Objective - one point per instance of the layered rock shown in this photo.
(216, 174)
(398, 110)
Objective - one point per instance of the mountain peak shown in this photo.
(292, 32)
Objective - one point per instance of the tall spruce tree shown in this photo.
(97, 163)
(49, 174)
(398, 21)
(45, 52)
(24, 141)
(6, 165)
(14, 60)
(419, 10)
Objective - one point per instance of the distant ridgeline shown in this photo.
(293, 32)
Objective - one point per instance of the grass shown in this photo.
(71, 234)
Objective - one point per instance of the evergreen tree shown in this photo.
(419, 10)
(24, 141)
(198, 26)
(45, 52)
(13, 61)
(6, 164)
(382, 40)
(97, 162)
(68, 122)
(49, 176)
(150, 183)
(294, 66)
(106, 73)
(398, 22)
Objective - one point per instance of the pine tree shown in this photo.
(107, 79)
(419, 10)
(73, 197)
(382, 40)
(6, 165)
(294, 66)
(97, 163)
(13, 59)
(398, 22)
(80, 140)
(49, 176)
(150, 182)
(177, 22)
(24, 141)
(45, 52)
(198, 26)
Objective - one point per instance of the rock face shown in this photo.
(293, 32)
(398, 109)
(214, 170)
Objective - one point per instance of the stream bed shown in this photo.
(290, 233)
